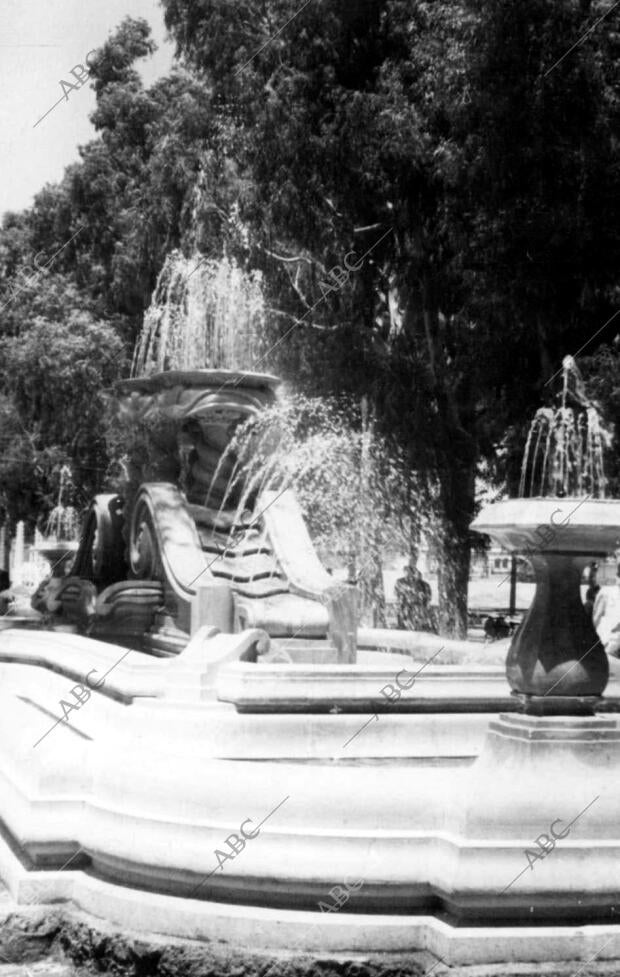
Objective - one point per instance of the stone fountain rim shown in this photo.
(48, 545)
(198, 378)
(552, 498)
(587, 525)
(546, 502)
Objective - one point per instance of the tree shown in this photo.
(387, 129)
(132, 198)
(545, 176)
(602, 375)
(77, 270)
(53, 377)
(430, 189)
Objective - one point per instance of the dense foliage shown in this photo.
(430, 190)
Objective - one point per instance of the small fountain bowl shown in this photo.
(554, 525)
(57, 552)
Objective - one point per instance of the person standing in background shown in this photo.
(413, 601)
(606, 616)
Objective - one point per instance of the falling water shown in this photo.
(204, 314)
(564, 449)
(350, 486)
(63, 521)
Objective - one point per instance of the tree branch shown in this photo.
(306, 322)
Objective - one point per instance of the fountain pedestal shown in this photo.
(556, 663)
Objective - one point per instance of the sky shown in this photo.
(40, 42)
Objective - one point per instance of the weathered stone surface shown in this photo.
(80, 947)
(51, 943)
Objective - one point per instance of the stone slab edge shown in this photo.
(70, 906)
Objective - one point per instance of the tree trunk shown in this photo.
(453, 539)
(452, 579)
(445, 424)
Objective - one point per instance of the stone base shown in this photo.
(288, 941)
(161, 919)
(581, 734)
(545, 792)
(558, 705)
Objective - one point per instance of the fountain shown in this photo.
(178, 548)
(58, 548)
(61, 531)
(200, 533)
(556, 663)
(224, 762)
(556, 763)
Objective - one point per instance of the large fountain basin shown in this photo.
(445, 836)
(121, 811)
(568, 525)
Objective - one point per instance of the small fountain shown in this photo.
(61, 531)
(561, 522)
(564, 449)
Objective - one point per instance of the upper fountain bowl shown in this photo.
(224, 380)
(556, 525)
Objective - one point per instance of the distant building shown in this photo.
(491, 561)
